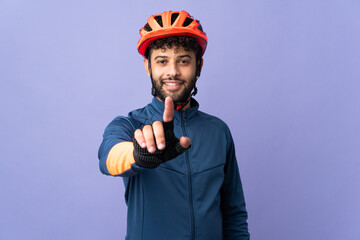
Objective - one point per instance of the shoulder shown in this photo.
(134, 120)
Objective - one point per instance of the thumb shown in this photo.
(185, 142)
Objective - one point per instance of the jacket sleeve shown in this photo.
(232, 200)
(116, 150)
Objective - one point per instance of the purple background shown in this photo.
(284, 75)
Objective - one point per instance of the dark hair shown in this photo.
(188, 43)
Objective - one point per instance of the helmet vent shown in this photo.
(187, 21)
(147, 27)
(199, 27)
(174, 17)
(159, 20)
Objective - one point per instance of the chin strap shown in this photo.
(181, 105)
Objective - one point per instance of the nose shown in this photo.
(173, 70)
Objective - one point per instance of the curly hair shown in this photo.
(188, 43)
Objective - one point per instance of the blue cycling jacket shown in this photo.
(198, 195)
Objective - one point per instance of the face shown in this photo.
(173, 72)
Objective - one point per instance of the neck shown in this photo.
(186, 106)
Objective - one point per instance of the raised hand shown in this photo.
(151, 134)
(156, 143)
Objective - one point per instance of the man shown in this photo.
(187, 188)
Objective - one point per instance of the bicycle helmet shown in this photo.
(171, 24)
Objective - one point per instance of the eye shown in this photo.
(182, 61)
(161, 62)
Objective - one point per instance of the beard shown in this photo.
(177, 97)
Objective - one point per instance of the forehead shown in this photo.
(174, 51)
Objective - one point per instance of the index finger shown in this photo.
(169, 110)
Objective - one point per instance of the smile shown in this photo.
(172, 84)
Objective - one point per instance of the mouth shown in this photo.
(172, 84)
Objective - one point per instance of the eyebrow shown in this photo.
(160, 57)
(181, 56)
(185, 55)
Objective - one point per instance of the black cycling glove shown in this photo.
(172, 149)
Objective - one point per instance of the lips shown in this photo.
(172, 84)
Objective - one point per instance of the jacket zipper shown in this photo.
(192, 220)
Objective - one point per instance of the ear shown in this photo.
(146, 65)
(200, 67)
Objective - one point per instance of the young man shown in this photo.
(178, 163)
